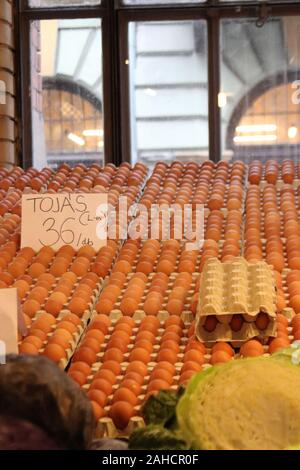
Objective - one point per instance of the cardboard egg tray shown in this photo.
(207, 199)
(264, 243)
(278, 201)
(185, 225)
(119, 243)
(288, 312)
(280, 183)
(106, 427)
(235, 288)
(135, 262)
(187, 316)
(182, 249)
(80, 329)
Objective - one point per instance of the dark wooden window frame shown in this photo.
(115, 17)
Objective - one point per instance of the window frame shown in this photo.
(115, 17)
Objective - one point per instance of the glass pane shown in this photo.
(66, 90)
(62, 3)
(260, 94)
(157, 2)
(168, 89)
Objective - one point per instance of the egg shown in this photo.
(175, 306)
(138, 367)
(106, 374)
(210, 323)
(78, 306)
(36, 269)
(252, 348)
(157, 384)
(222, 346)
(191, 365)
(82, 367)
(53, 306)
(139, 354)
(186, 376)
(103, 385)
(194, 355)
(295, 303)
(98, 396)
(38, 333)
(146, 335)
(126, 395)
(78, 377)
(135, 377)
(38, 293)
(28, 348)
(236, 322)
(62, 337)
(85, 354)
(167, 355)
(113, 354)
(97, 410)
(262, 320)
(111, 365)
(93, 333)
(129, 306)
(219, 357)
(161, 374)
(37, 342)
(121, 412)
(55, 352)
(30, 307)
(277, 344)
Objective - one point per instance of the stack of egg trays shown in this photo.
(187, 316)
(106, 427)
(80, 328)
(182, 248)
(84, 319)
(279, 183)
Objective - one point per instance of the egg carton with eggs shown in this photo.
(237, 301)
(179, 254)
(106, 426)
(186, 315)
(288, 311)
(284, 252)
(224, 332)
(65, 311)
(76, 335)
(185, 226)
(93, 299)
(280, 183)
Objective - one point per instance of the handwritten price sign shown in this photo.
(64, 219)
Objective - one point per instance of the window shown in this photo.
(144, 80)
(259, 90)
(62, 3)
(67, 91)
(168, 85)
(156, 2)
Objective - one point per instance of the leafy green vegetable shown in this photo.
(155, 437)
(160, 433)
(161, 408)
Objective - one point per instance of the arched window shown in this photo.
(73, 121)
(266, 123)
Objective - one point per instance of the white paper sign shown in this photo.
(11, 320)
(64, 219)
